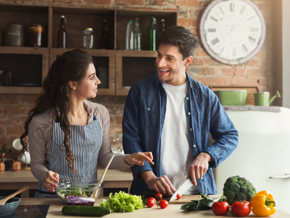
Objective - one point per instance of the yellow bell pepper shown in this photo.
(263, 204)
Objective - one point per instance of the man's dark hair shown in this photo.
(181, 37)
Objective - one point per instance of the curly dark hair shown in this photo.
(181, 37)
(70, 66)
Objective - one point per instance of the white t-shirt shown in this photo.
(176, 154)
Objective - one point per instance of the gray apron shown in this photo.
(85, 142)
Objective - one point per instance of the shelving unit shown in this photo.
(124, 67)
(103, 54)
(133, 66)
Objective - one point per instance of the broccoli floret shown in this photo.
(237, 188)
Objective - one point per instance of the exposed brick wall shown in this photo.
(256, 72)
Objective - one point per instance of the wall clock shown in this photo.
(232, 31)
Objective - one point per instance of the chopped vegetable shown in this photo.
(77, 200)
(123, 202)
(203, 204)
(75, 192)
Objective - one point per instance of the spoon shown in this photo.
(97, 192)
(3, 201)
(108, 164)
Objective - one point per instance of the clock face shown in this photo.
(232, 31)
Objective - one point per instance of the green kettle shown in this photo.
(263, 98)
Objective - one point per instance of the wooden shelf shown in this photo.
(131, 66)
(80, 18)
(19, 90)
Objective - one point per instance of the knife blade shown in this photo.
(182, 189)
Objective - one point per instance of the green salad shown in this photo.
(81, 192)
(123, 202)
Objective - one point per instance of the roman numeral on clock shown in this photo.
(216, 20)
(211, 30)
(252, 39)
(234, 52)
(215, 41)
(253, 29)
(232, 7)
(244, 48)
(243, 9)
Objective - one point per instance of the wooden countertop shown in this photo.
(26, 175)
(173, 210)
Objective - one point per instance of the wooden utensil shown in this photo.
(3, 201)
(97, 191)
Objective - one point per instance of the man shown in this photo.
(172, 115)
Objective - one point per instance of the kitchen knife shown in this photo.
(182, 189)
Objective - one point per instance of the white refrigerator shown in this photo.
(263, 153)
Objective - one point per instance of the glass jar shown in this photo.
(35, 35)
(88, 38)
(14, 35)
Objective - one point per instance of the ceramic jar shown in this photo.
(16, 166)
(14, 35)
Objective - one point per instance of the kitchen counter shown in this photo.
(173, 210)
(13, 180)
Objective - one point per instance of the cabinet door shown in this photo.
(104, 61)
(133, 66)
(28, 68)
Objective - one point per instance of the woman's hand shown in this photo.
(139, 158)
(49, 180)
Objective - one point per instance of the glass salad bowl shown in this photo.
(79, 191)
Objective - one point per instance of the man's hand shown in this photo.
(198, 167)
(49, 181)
(159, 184)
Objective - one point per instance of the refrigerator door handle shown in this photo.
(287, 176)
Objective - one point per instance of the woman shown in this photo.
(69, 135)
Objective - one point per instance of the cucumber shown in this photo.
(151, 193)
(85, 210)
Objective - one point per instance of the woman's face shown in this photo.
(88, 87)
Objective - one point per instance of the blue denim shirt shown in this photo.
(143, 122)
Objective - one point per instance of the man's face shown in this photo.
(170, 66)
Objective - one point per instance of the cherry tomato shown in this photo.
(151, 202)
(178, 196)
(241, 208)
(158, 196)
(163, 204)
(220, 208)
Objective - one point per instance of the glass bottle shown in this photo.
(62, 33)
(162, 25)
(129, 45)
(88, 38)
(105, 41)
(152, 34)
(137, 35)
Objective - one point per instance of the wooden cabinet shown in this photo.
(103, 60)
(123, 67)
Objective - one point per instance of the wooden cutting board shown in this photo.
(185, 199)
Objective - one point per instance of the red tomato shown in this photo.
(241, 208)
(163, 204)
(178, 196)
(151, 202)
(220, 208)
(158, 196)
